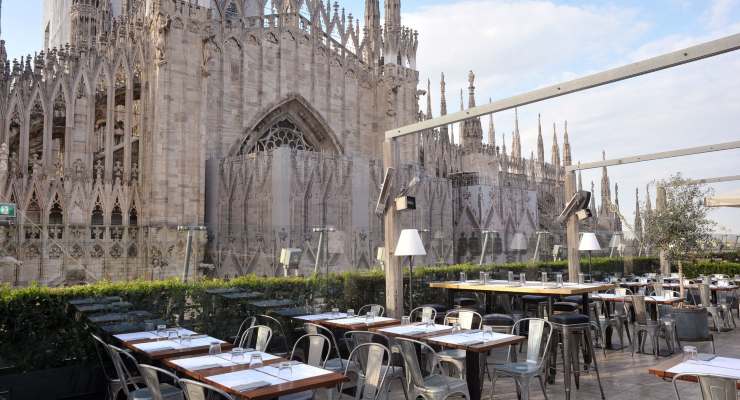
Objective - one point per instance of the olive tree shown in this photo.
(679, 226)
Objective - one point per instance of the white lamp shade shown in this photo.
(409, 244)
(589, 242)
(519, 242)
(615, 241)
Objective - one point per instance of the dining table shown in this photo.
(711, 364)
(158, 345)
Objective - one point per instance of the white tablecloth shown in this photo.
(297, 371)
(238, 378)
(200, 362)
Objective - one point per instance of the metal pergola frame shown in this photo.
(391, 159)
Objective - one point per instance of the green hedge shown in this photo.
(38, 331)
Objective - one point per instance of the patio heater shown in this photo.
(410, 245)
(188, 246)
(519, 244)
(615, 243)
(323, 247)
(536, 255)
(589, 243)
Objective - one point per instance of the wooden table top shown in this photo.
(360, 326)
(661, 369)
(268, 392)
(430, 338)
(530, 288)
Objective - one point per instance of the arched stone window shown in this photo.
(283, 133)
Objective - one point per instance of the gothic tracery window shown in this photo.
(282, 133)
(232, 12)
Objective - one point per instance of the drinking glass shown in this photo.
(405, 320)
(511, 277)
(214, 348)
(369, 317)
(544, 278)
(456, 327)
(185, 339)
(350, 312)
(463, 278)
(689, 353)
(161, 331)
(237, 354)
(483, 277)
(256, 361)
(581, 278)
(523, 279)
(148, 326)
(173, 334)
(335, 311)
(285, 366)
(559, 279)
(487, 330)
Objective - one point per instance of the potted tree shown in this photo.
(679, 226)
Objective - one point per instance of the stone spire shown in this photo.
(516, 144)
(540, 142)
(648, 205)
(638, 218)
(372, 26)
(566, 147)
(443, 131)
(471, 89)
(462, 104)
(580, 180)
(555, 157)
(429, 99)
(491, 132)
(392, 31)
(606, 191)
(472, 131)
(616, 194)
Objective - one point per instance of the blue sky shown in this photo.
(516, 46)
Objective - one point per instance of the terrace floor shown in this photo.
(622, 376)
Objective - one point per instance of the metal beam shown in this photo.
(687, 55)
(655, 156)
(714, 180)
(722, 202)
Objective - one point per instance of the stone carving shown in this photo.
(163, 27)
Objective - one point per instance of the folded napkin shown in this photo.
(471, 342)
(251, 386)
(207, 366)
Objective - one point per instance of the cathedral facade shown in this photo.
(262, 120)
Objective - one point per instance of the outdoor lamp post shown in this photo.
(615, 243)
(519, 243)
(589, 243)
(409, 245)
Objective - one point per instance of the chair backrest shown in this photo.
(376, 309)
(658, 288)
(100, 344)
(272, 322)
(691, 324)
(358, 338)
(317, 351)
(466, 318)
(200, 391)
(411, 359)
(373, 359)
(705, 295)
(320, 329)
(150, 374)
(538, 340)
(638, 305)
(423, 313)
(124, 375)
(712, 387)
(246, 324)
(257, 337)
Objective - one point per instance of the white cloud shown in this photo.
(720, 12)
(518, 46)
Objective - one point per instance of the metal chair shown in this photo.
(424, 313)
(114, 383)
(279, 342)
(354, 339)
(376, 309)
(644, 326)
(692, 325)
(154, 389)
(257, 337)
(467, 319)
(373, 360)
(601, 322)
(131, 386)
(317, 353)
(200, 391)
(433, 385)
(711, 387)
(535, 362)
(336, 364)
(246, 324)
(705, 295)
(573, 330)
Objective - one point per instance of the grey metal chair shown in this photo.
(705, 295)
(467, 319)
(692, 325)
(115, 384)
(539, 341)
(317, 352)
(256, 337)
(423, 313)
(246, 324)
(120, 357)
(376, 309)
(373, 360)
(432, 385)
(354, 339)
(279, 342)
(336, 364)
(156, 390)
(644, 326)
(194, 390)
(711, 387)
